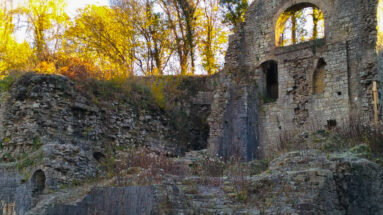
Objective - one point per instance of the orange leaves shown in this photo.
(72, 67)
(76, 68)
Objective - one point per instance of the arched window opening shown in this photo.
(299, 23)
(38, 183)
(319, 76)
(270, 70)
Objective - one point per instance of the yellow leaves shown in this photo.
(212, 35)
(100, 33)
(13, 55)
(46, 67)
(157, 89)
(379, 27)
(45, 19)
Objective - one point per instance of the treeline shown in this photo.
(128, 37)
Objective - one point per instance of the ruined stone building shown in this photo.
(293, 66)
(283, 75)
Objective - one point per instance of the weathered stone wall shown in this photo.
(113, 200)
(234, 118)
(48, 123)
(379, 47)
(15, 196)
(348, 50)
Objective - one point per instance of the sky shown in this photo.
(74, 5)
(71, 10)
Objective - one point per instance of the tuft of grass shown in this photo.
(27, 162)
(36, 143)
(7, 157)
(362, 150)
(7, 81)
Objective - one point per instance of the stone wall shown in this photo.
(15, 196)
(114, 200)
(51, 124)
(379, 47)
(348, 50)
(234, 118)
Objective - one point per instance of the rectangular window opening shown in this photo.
(331, 124)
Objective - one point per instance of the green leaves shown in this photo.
(235, 11)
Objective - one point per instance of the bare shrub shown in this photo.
(239, 173)
(210, 169)
(352, 131)
(355, 131)
(144, 163)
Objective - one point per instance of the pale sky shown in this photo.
(74, 5)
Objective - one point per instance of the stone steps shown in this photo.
(182, 165)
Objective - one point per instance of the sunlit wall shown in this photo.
(379, 48)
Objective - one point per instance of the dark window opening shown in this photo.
(319, 76)
(38, 183)
(331, 124)
(270, 69)
(98, 156)
(339, 93)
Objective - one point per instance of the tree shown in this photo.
(181, 16)
(317, 16)
(101, 34)
(45, 18)
(234, 12)
(189, 9)
(212, 35)
(12, 54)
(153, 49)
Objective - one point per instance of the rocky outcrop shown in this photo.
(315, 183)
(309, 182)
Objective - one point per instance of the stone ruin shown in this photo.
(277, 81)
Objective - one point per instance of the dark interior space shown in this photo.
(270, 69)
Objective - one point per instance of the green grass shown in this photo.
(7, 81)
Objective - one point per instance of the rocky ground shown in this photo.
(298, 182)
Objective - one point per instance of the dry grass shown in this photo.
(347, 134)
(145, 166)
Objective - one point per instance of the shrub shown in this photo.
(148, 165)
(78, 69)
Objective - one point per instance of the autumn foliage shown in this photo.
(77, 68)
(125, 38)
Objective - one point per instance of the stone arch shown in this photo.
(319, 76)
(270, 72)
(38, 181)
(325, 6)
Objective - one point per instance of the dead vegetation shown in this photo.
(349, 134)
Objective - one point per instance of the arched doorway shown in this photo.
(38, 183)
